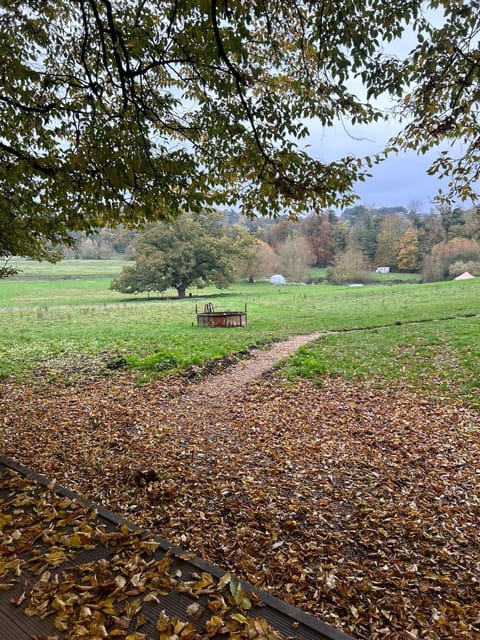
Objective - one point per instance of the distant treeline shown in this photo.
(439, 245)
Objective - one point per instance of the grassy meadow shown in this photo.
(61, 321)
(67, 268)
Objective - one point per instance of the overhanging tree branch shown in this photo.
(34, 163)
(139, 110)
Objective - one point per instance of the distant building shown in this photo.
(382, 270)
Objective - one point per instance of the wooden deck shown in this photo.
(71, 569)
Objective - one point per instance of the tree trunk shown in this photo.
(181, 291)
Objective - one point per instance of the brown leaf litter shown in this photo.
(354, 503)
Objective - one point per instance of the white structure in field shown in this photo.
(277, 279)
(464, 276)
(382, 270)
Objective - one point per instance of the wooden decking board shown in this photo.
(287, 620)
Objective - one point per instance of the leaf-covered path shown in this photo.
(235, 379)
(357, 504)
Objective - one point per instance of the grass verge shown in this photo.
(441, 357)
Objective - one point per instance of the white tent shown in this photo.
(277, 279)
(464, 276)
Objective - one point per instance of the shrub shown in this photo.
(351, 266)
(459, 267)
(445, 254)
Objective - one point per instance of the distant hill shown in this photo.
(353, 212)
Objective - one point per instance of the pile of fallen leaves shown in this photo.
(45, 543)
(355, 504)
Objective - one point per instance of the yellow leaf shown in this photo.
(75, 541)
(132, 607)
(240, 618)
(224, 580)
(164, 622)
(213, 625)
(108, 606)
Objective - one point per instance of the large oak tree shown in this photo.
(194, 250)
(127, 111)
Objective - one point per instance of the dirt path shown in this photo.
(233, 382)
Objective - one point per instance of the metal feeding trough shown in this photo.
(212, 318)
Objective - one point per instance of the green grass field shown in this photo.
(426, 335)
(67, 268)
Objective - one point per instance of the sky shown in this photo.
(401, 180)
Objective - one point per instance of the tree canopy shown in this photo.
(193, 250)
(124, 112)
